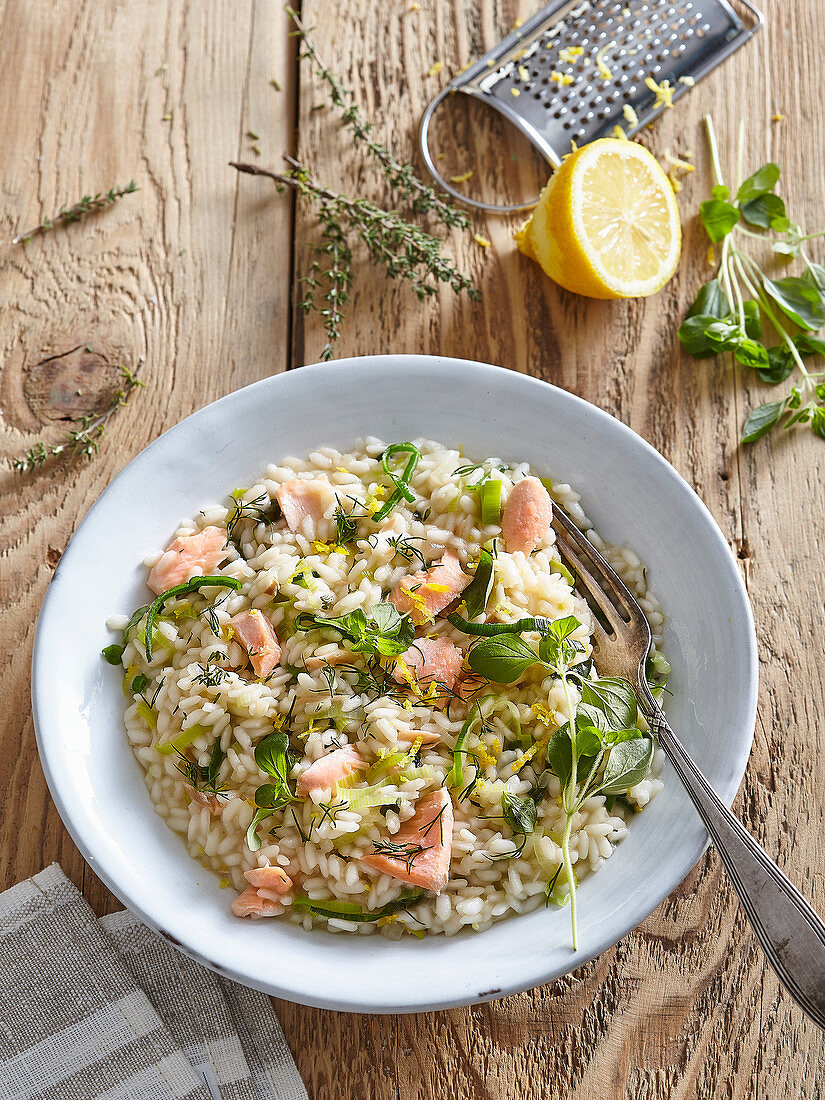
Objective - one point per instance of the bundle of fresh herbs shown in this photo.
(733, 311)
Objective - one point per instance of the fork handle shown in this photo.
(790, 932)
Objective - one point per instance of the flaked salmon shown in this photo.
(527, 516)
(429, 659)
(257, 636)
(188, 556)
(324, 774)
(305, 498)
(251, 904)
(425, 593)
(212, 803)
(271, 879)
(419, 853)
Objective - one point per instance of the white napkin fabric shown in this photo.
(107, 1010)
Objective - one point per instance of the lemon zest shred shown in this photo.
(435, 68)
(222, 885)
(778, 117)
(523, 73)
(462, 178)
(544, 715)
(515, 92)
(688, 81)
(619, 133)
(561, 78)
(388, 919)
(329, 548)
(604, 70)
(527, 756)
(630, 114)
(663, 92)
(569, 54)
(481, 240)
(710, 258)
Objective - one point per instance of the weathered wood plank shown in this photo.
(178, 277)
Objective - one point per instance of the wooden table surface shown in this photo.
(196, 276)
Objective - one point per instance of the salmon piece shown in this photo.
(425, 593)
(324, 774)
(251, 904)
(427, 839)
(214, 804)
(527, 516)
(429, 659)
(302, 498)
(256, 635)
(188, 556)
(272, 879)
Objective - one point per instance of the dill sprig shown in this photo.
(84, 440)
(404, 249)
(74, 213)
(400, 174)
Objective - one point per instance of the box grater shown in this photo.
(576, 70)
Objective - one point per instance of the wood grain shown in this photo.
(196, 276)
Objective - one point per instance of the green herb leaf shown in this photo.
(809, 345)
(112, 654)
(750, 353)
(766, 211)
(711, 301)
(477, 593)
(519, 812)
(818, 421)
(780, 365)
(719, 218)
(720, 192)
(560, 754)
(799, 298)
(761, 419)
(628, 764)
(614, 699)
(253, 841)
(503, 658)
(139, 683)
(764, 179)
(385, 632)
(753, 319)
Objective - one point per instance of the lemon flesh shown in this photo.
(607, 224)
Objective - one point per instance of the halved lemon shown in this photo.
(607, 224)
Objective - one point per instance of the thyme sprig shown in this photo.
(74, 213)
(84, 440)
(403, 249)
(400, 174)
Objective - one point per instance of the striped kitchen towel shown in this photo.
(106, 1010)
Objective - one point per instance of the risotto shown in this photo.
(365, 695)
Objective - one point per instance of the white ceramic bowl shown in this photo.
(632, 495)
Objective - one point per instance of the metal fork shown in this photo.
(790, 932)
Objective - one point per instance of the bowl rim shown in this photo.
(79, 831)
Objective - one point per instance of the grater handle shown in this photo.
(424, 143)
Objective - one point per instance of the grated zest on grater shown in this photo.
(623, 43)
